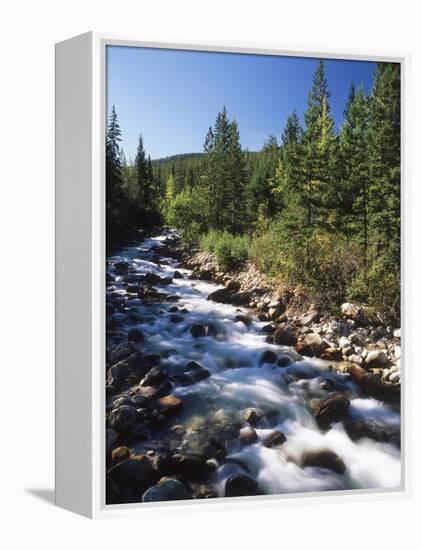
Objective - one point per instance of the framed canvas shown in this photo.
(229, 267)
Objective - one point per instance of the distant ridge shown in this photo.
(173, 158)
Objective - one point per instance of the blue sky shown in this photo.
(173, 96)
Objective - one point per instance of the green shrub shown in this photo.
(230, 250)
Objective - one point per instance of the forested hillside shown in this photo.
(318, 208)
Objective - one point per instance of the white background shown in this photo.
(28, 32)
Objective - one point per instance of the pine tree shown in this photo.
(221, 195)
(384, 155)
(142, 175)
(353, 170)
(235, 180)
(113, 158)
(258, 190)
(319, 149)
(208, 174)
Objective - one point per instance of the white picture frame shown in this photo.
(80, 276)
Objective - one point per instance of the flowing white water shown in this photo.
(232, 353)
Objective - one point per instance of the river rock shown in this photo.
(240, 485)
(133, 472)
(284, 337)
(111, 438)
(240, 298)
(154, 377)
(268, 356)
(177, 275)
(122, 400)
(152, 278)
(232, 286)
(123, 418)
(135, 335)
(192, 374)
(351, 310)
(170, 405)
(378, 333)
(247, 435)
(121, 267)
(308, 319)
(376, 358)
(312, 345)
(253, 415)
(269, 328)
(120, 352)
(221, 295)
(167, 489)
(331, 354)
(332, 408)
(371, 429)
(323, 459)
(198, 330)
(243, 319)
(155, 392)
(192, 467)
(274, 439)
(120, 453)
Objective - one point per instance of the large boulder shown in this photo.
(274, 439)
(123, 418)
(192, 467)
(167, 489)
(376, 358)
(372, 429)
(120, 453)
(170, 405)
(312, 345)
(332, 408)
(232, 285)
(247, 435)
(134, 472)
(284, 337)
(240, 298)
(268, 356)
(154, 377)
(240, 485)
(221, 295)
(373, 386)
(325, 459)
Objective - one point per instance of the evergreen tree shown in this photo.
(384, 155)
(208, 174)
(220, 192)
(319, 149)
(235, 180)
(353, 170)
(113, 159)
(142, 173)
(259, 196)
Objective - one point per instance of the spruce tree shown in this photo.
(142, 175)
(384, 156)
(113, 158)
(235, 180)
(353, 170)
(319, 149)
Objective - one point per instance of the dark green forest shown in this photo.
(315, 208)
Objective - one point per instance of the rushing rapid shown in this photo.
(231, 349)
